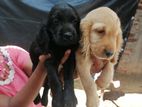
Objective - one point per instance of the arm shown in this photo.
(29, 91)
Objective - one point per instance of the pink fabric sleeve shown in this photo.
(19, 56)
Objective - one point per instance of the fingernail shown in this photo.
(68, 51)
(49, 55)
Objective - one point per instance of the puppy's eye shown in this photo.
(55, 21)
(75, 21)
(99, 28)
(100, 31)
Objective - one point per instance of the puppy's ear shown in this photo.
(119, 43)
(43, 38)
(85, 27)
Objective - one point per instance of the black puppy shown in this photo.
(59, 34)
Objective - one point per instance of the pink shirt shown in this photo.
(18, 57)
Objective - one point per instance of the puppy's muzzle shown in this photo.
(68, 36)
(108, 53)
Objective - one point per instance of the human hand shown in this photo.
(63, 60)
(66, 55)
(42, 58)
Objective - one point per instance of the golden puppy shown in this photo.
(99, 48)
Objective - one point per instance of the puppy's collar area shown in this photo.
(98, 65)
(101, 58)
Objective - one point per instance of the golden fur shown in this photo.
(99, 48)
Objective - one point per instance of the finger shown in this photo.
(42, 58)
(66, 55)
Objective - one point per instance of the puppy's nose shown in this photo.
(108, 53)
(68, 36)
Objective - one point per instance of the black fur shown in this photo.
(59, 34)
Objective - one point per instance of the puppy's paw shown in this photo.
(37, 100)
(44, 101)
(70, 100)
(57, 101)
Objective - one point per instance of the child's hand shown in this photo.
(66, 55)
(42, 58)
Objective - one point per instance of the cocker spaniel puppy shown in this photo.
(61, 32)
(99, 49)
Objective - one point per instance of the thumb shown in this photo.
(42, 58)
